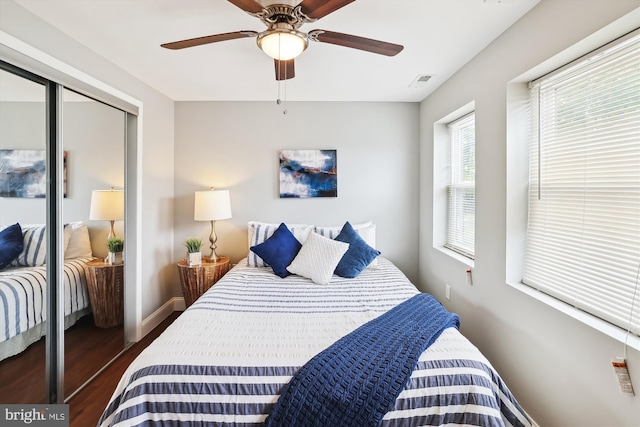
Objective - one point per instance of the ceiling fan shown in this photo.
(283, 41)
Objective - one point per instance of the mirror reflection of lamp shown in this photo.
(107, 205)
(212, 205)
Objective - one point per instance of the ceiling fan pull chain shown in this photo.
(279, 70)
(279, 62)
(278, 83)
(284, 111)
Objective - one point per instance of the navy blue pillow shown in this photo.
(11, 244)
(279, 250)
(358, 256)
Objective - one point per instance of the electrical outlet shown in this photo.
(447, 291)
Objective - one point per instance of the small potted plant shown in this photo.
(116, 246)
(194, 256)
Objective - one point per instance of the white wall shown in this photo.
(235, 145)
(558, 368)
(156, 207)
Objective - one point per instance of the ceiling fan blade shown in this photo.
(209, 39)
(316, 9)
(356, 42)
(248, 5)
(285, 70)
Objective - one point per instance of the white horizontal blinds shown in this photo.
(461, 191)
(583, 237)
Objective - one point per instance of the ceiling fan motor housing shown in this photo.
(282, 40)
(282, 13)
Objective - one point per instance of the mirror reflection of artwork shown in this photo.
(23, 173)
(308, 173)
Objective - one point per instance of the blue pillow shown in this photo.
(279, 250)
(358, 256)
(11, 244)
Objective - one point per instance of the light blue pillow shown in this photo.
(34, 253)
(11, 244)
(358, 256)
(279, 250)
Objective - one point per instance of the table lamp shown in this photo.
(107, 205)
(212, 205)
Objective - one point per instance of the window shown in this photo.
(583, 235)
(461, 189)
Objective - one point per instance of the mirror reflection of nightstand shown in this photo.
(106, 294)
(197, 279)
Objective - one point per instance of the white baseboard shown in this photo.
(151, 322)
(533, 422)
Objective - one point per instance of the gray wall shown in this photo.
(235, 145)
(558, 367)
(93, 137)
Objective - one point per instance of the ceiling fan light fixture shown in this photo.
(282, 44)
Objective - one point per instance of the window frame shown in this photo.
(517, 182)
(440, 165)
(458, 237)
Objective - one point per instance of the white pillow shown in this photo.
(261, 231)
(366, 230)
(35, 246)
(318, 258)
(34, 238)
(79, 242)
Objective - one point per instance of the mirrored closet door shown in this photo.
(92, 140)
(23, 308)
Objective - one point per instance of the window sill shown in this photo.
(457, 256)
(618, 334)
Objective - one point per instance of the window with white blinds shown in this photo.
(583, 236)
(461, 191)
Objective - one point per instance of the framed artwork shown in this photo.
(23, 173)
(308, 173)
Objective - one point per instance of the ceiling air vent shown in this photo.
(420, 80)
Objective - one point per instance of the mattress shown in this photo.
(226, 359)
(23, 303)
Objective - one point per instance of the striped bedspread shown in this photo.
(226, 359)
(23, 300)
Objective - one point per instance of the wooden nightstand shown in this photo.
(105, 285)
(197, 279)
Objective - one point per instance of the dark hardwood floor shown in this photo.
(87, 349)
(86, 407)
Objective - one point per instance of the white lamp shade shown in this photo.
(107, 205)
(212, 205)
(282, 45)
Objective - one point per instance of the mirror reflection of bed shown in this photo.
(93, 146)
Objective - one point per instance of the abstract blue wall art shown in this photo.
(308, 173)
(23, 173)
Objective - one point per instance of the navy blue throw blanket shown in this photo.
(356, 381)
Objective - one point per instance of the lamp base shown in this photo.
(213, 238)
(212, 258)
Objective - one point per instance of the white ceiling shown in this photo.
(439, 36)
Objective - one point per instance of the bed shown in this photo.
(23, 287)
(227, 359)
